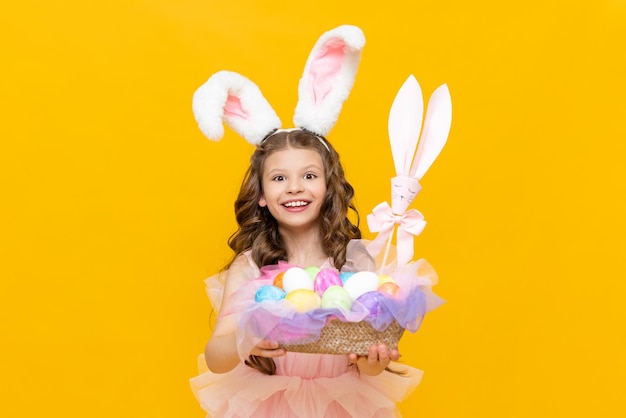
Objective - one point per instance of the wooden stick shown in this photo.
(388, 246)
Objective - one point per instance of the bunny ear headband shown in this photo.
(325, 84)
(405, 125)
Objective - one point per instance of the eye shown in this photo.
(310, 176)
(278, 178)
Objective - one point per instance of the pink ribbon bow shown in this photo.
(382, 220)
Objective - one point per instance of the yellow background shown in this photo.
(115, 207)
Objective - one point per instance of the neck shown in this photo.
(304, 248)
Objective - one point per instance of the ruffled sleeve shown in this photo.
(221, 287)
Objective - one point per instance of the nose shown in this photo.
(295, 186)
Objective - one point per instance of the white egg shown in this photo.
(297, 278)
(361, 282)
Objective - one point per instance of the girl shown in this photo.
(293, 207)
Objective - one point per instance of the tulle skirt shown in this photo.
(304, 386)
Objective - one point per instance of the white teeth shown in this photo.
(295, 204)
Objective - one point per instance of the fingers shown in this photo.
(382, 355)
(268, 349)
(378, 355)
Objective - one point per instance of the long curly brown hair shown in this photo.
(258, 230)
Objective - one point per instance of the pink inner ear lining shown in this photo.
(233, 108)
(325, 68)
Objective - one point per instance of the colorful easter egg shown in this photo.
(369, 303)
(389, 288)
(383, 278)
(296, 278)
(312, 271)
(336, 297)
(269, 292)
(278, 280)
(344, 275)
(325, 279)
(361, 282)
(303, 299)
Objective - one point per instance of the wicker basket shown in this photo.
(339, 337)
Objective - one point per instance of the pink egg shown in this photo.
(325, 279)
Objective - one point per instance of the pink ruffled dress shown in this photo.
(305, 385)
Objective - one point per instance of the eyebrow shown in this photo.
(307, 168)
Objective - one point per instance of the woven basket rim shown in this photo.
(338, 337)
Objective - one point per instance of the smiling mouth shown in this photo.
(295, 204)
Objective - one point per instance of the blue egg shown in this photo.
(269, 292)
(345, 276)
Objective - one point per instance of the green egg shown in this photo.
(336, 297)
(312, 271)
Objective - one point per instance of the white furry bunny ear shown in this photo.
(328, 78)
(231, 97)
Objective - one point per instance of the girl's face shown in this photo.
(294, 187)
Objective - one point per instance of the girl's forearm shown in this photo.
(221, 354)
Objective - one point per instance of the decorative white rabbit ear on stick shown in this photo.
(405, 125)
(328, 78)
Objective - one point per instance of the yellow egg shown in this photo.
(383, 278)
(304, 299)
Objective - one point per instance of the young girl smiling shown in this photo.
(293, 207)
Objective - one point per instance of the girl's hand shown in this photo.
(376, 361)
(268, 349)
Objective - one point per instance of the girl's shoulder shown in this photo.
(243, 268)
